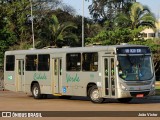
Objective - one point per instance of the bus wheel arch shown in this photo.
(93, 93)
(35, 89)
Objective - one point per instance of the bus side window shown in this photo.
(31, 62)
(10, 62)
(73, 62)
(90, 62)
(43, 62)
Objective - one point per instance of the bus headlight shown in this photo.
(153, 86)
(123, 87)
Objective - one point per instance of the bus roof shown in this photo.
(69, 49)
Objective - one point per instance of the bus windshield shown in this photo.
(135, 67)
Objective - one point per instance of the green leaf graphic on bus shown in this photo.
(10, 77)
(69, 78)
(39, 76)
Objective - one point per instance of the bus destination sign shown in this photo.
(138, 50)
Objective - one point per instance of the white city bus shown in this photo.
(99, 72)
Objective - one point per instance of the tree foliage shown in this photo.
(137, 16)
(141, 16)
(116, 36)
(108, 9)
(125, 27)
(57, 32)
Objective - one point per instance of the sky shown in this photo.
(154, 5)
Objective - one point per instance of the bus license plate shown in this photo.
(140, 96)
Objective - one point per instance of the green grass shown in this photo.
(157, 87)
(157, 90)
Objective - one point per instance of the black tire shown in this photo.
(124, 100)
(93, 94)
(36, 92)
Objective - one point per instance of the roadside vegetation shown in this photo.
(158, 90)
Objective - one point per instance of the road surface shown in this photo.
(12, 101)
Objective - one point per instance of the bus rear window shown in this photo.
(10, 62)
(73, 62)
(31, 62)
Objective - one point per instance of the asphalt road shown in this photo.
(11, 101)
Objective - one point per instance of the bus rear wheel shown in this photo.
(124, 100)
(94, 95)
(36, 91)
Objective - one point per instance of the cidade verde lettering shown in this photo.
(69, 78)
(39, 76)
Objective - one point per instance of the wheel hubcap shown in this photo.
(95, 95)
(35, 91)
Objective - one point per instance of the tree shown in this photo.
(57, 32)
(126, 27)
(108, 9)
(138, 15)
(17, 15)
(92, 29)
(113, 37)
(141, 16)
(7, 36)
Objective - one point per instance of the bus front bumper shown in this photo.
(136, 94)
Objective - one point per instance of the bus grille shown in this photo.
(134, 94)
(137, 83)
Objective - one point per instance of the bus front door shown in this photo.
(109, 77)
(57, 75)
(20, 75)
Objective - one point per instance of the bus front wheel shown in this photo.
(36, 91)
(94, 95)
